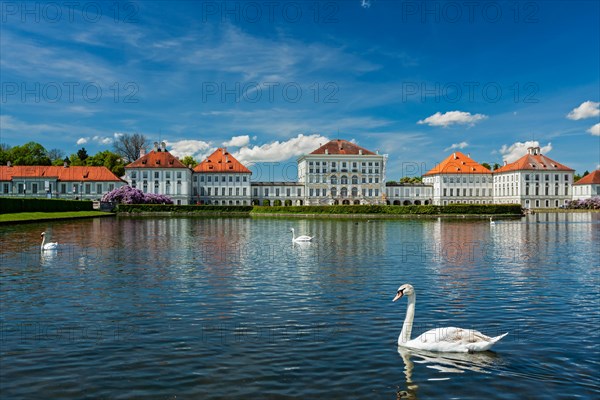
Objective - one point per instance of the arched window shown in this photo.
(344, 180)
(333, 180)
(354, 192)
(354, 180)
(344, 192)
(333, 192)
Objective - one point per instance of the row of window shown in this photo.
(324, 170)
(464, 192)
(276, 192)
(221, 178)
(224, 191)
(470, 178)
(407, 192)
(343, 192)
(536, 177)
(333, 180)
(62, 188)
(156, 174)
(344, 164)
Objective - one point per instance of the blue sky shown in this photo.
(271, 80)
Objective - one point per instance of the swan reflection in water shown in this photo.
(443, 363)
(48, 257)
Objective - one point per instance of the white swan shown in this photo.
(302, 238)
(492, 222)
(48, 246)
(440, 339)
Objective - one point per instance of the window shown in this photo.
(156, 174)
(230, 178)
(255, 192)
(209, 178)
(355, 179)
(223, 178)
(179, 175)
(168, 174)
(245, 178)
(277, 192)
(266, 192)
(318, 192)
(222, 191)
(99, 188)
(237, 178)
(344, 179)
(299, 192)
(333, 180)
(231, 191)
(237, 191)
(244, 192)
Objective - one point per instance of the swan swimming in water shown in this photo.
(492, 222)
(302, 238)
(48, 246)
(449, 339)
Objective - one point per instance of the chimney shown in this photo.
(65, 164)
(469, 155)
(9, 164)
(155, 146)
(454, 155)
(163, 146)
(360, 152)
(142, 152)
(505, 162)
(326, 151)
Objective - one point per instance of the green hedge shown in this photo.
(512, 209)
(17, 205)
(138, 208)
(384, 209)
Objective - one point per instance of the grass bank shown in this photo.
(14, 218)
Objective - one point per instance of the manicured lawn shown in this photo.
(38, 216)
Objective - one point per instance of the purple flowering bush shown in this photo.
(589, 204)
(129, 195)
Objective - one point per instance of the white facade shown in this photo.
(351, 175)
(582, 192)
(221, 188)
(533, 181)
(288, 193)
(408, 194)
(461, 188)
(159, 172)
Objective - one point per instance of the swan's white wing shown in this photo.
(453, 339)
(51, 246)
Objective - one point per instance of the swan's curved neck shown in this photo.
(43, 241)
(408, 320)
(293, 234)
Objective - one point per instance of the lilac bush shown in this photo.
(129, 195)
(589, 204)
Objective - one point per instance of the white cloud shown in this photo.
(82, 141)
(117, 135)
(195, 148)
(587, 109)
(519, 149)
(102, 140)
(280, 151)
(595, 130)
(237, 141)
(460, 145)
(452, 117)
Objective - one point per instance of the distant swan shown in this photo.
(440, 339)
(492, 222)
(48, 246)
(302, 238)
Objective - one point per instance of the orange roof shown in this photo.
(157, 159)
(340, 146)
(535, 162)
(589, 179)
(458, 163)
(77, 173)
(221, 161)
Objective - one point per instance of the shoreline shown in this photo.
(42, 217)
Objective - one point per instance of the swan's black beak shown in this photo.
(398, 295)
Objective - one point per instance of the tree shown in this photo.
(129, 146)
(31, 153)
(496, 166)
(82, 154)
(56, 155)
(189, 161)
(4, 153)
(109, 160)
(488, 166)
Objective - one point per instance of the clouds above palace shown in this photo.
(518, 149)
(452, 118)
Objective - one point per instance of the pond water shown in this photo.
(230, 308)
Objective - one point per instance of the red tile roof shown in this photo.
(157, 159)
(78, 173)
(340, 146)
(458, 163)
(589, 179)
(221, 161)
(534, 162)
